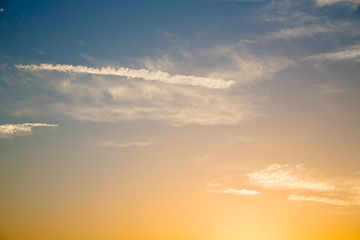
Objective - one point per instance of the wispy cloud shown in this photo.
(322, 3)
(351, 53)
(99, 98)
(326, 89)
(140, 143)
(173, 106)
(332, 201)
(9, 130)
(239, 63)
(133, 73)
(304, 31)
(314, 27)
(93, 96)
(289, 177)
(242, 192)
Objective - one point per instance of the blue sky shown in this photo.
(242, 41)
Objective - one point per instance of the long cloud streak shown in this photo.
(332, 201)
(134, 73)
(322, 3)
(351, 53)
(122, 144)
(242, 192)
(290, 33)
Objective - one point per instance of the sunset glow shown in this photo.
(188, 120)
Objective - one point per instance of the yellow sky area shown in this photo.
(176, 213)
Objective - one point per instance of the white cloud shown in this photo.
(289, 177)
(351, 53)
(322, 3)
(9, 130)
(308, 31)
(97, 96)
(134, 73)
(139, 143)
(169, 105)
(106, 99)
(242, 192)
(332, 201)
(238, 63)
(315, 27)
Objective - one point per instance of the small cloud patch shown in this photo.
(9, 130)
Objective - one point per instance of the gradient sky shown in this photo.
(201, 119)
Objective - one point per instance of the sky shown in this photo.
(192, 119)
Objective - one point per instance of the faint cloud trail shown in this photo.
(332, 201)
(242, 192)
(122, 144)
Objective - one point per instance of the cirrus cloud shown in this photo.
(133, 73)
(139, 143)
(322, 3)
(242, 192)
(351, 53)
(278, 176)
(332, 201)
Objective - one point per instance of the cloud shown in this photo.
(288, 177)
(351, 53)
(99, 96)
(122, 144)
(1, 9)
(326, 89)
(9, 130)
(103, 98)
(313, 27)
(242, 192)
(322, 3)
(307, 31)
(239, 63)
(332, 201)
(133, 73)
(175, 106)
(350, 187)
(301, 179)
